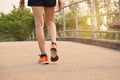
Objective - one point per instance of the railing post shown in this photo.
(76, 20)
(94, 18)
(64, 23)
(116, 36)
(29, 38)
(33, 36)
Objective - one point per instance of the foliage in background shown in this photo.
(19, 24)
(16, 25)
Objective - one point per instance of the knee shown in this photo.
(48, 23)
(39, 24)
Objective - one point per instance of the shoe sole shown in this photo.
(43, 63)
(54, 52)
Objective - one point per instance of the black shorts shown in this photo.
(44, 3)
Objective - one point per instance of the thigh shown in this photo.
(49, 13)
(38, 14)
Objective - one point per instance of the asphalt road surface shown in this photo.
(18, 61)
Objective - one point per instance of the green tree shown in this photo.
(16, 25)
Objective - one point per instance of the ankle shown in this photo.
(42, 54)
(53, 43)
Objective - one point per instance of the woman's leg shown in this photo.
(49, 17)
(49, 14)
(39, 25)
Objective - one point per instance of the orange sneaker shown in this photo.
(54, 51)
(43, 59)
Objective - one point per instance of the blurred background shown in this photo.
(79, 18)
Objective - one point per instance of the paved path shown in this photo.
(18, 61)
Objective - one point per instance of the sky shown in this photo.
(7, 5)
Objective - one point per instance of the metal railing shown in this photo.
(77, 31)
(100, 33)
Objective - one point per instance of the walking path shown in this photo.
(18, 61)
